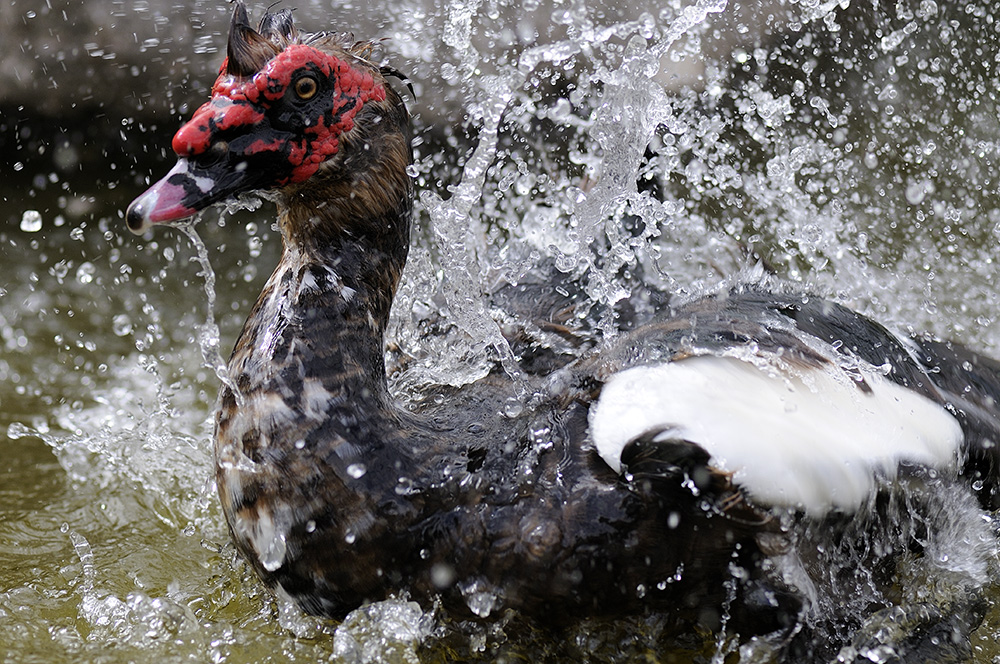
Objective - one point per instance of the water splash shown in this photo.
(581, 230)
(31, 221)
(82, 548)
(209, 335)
(481, 597)
(136, 433)
(390, 630)
(462, 244)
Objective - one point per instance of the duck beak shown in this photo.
(187, 189)
(164, 202)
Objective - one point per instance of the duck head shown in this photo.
(304, 115)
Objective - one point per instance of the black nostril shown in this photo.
(213, 155)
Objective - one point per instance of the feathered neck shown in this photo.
(353, 216)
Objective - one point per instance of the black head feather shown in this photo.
(387, 71)
(248, 51)
(278, 27)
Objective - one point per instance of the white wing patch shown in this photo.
(809, 439)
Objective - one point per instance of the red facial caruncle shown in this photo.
(266, 110)
(261, 129)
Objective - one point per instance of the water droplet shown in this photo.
(861, 242)
(31, 221)
(85, 273)
(272, 557)
(406, 487)
(121, 325)
(18, 430)
(442, 575)
(479, 598)
(561, 110)
(60, 270)
(916, 191)
(513, 407)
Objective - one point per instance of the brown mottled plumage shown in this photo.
(337, 496)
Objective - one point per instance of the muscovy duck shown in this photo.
(674, 470)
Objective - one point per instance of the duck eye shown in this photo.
(306, 87)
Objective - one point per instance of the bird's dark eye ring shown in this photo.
(306, 87)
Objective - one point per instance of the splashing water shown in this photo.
(451, 221)
(209, 336)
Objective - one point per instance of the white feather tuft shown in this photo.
(808, 438)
